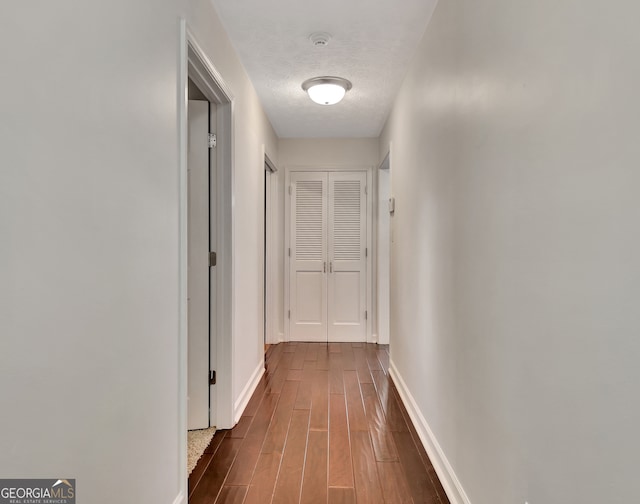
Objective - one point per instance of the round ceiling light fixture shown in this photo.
(326, 90)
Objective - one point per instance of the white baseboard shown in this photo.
(280, 337)
(180, 499)
(247, 392)
(448, 478)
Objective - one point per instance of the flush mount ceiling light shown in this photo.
(326, 90)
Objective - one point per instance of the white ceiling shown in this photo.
(372, 44)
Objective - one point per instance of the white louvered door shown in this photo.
(308, 285)
(327, 276)
(347, 228)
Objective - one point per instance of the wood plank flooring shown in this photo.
(325, 425)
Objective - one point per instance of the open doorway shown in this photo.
(201, 244)
(216, 187)
(384, 249)
(269, 252)
(201, 272)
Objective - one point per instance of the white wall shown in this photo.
(321, 153)
(89, 254)
(515, 272)
(89, 251)
(252, 131)
(328, 151)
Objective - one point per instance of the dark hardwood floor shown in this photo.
(325, 425)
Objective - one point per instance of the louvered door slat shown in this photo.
(346, 220)
(308, 288)
(346, 239)
(309, 220)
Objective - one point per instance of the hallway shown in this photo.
(325, 424)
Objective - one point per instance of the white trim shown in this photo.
(208, 72)
(182, 261)
(286, 313)
(180, 499)
(248, 391)
(447, 476)
(369, 258)
(267, 161)
(375, 255)
(270, 304)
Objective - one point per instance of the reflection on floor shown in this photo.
(325, 425)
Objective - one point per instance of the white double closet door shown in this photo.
(328, 270)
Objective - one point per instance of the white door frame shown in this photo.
(194, 64)
(382, 260)
(287, 238)
(270, 248)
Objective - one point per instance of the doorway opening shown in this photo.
(201, 244)
(201, 274)
(384, 213)
(198, 79)
(269, 252)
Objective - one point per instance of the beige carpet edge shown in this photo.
(197, 443)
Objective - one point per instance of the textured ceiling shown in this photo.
(372, 44)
